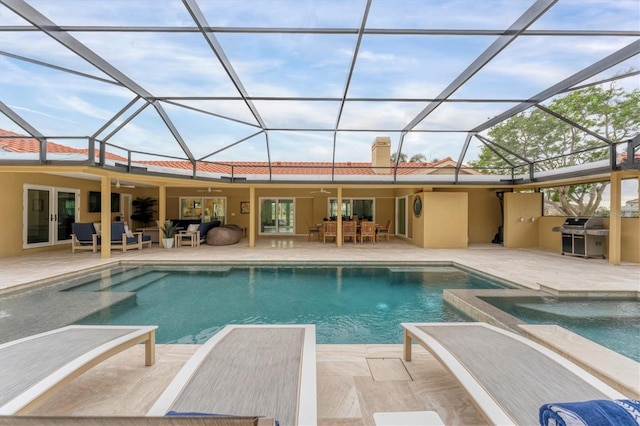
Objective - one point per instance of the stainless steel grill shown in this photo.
(583, 236)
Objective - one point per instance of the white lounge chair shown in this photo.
(132, 421)
(508, 376)
(34, 367)
(244, 370)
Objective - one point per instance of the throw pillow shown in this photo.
(96, 226)
(127, 231)
(193, 228)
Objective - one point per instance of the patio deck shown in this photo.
(354, 381)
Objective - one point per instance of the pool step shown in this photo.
(109, 280)
(139, 282)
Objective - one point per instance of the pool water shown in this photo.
(614, 324)
(347, 304)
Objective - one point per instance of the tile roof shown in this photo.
(30, 145)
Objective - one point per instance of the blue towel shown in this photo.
(621, 412)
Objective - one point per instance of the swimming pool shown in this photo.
(613, 323)
(347, 304)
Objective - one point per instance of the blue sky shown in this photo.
(294, 65)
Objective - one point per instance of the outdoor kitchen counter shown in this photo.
(580, 231)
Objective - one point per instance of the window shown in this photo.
(205, 209)
(361, 207)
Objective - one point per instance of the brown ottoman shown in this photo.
(224, 235)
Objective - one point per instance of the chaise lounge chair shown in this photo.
(248, 370)
(508, 376)
(34, 367)
(133, 421)
(84, 237)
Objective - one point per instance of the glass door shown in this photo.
(401, 216)
(65, 201)
(277, 216)
(214, 209)
(48, 213)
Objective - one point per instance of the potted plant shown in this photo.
(143, 209)
(169, 230)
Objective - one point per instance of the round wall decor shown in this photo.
(417, 206)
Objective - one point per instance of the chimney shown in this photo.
(381, 155)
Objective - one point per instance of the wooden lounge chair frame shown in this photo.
(119, 238)
(78, 244)
(495, 374)
(48, 379)
(255, 382)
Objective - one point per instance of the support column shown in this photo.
(615, 219)
(162, 210)
(105, 217)
(339, 219)
(252, 216)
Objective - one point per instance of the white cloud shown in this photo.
(297, 65)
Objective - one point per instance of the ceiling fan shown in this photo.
(117, 184)
(322, 191)
(209, 190)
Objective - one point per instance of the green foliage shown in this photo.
(403, 157)
(416, 158)
(169, 229)
(551, 143)
(143, 209)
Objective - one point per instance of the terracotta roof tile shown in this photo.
(33, 146)
(236, 167)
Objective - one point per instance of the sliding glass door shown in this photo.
(277, 216)
(48, 213)
(401, 216)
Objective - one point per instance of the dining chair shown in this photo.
(313, 230)
(349, 230)
(367, 230)
(330, 230)
(383, 231)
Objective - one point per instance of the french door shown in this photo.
(48, 213)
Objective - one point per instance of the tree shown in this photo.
(609, 111)
(416, 158)
(143, 209)
(403, 157)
